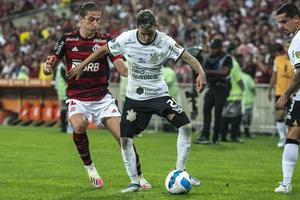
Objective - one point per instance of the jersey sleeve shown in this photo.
(174, 50)
(116, 45)
(297, 54)
(59, 48)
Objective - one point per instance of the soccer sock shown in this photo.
(129, 158)
(281, 128)
(138, 164)
(289, 160)
(183, 146)
(81, 142)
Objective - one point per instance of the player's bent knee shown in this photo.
(180, 120)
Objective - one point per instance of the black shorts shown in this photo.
(136, 115)
(293, 115)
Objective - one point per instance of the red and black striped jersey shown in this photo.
(93, 83)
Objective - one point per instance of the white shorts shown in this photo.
(94, 111)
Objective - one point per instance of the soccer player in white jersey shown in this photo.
(147, 50)
(288, 18)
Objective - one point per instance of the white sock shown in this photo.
(183, 146)
(281, 128)
(289, 160)
(129, 159)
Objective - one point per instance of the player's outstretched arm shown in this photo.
(78, 69)
(195, 64)
(121, 67)
(292, 88)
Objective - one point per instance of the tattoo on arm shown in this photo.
(191, 61)
(294, 84)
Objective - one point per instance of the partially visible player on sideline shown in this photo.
(281, 77)
(288, 17)
(147, 50)
(88, 97)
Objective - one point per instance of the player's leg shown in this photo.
(113, 125)
(289, 159)
(291, 148)
(178, 118)
(79, 123)
(133, 121)
(281, 127)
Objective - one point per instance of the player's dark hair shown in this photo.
(86, 7)
(279, 48)
(289, 9)
(145, 19)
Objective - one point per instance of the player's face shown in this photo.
(90, 23)
(286, 24)
(146, 35)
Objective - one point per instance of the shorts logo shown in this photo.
(72, 109)
(114, 110)
(131, 115)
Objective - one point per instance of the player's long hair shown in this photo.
(86, 7)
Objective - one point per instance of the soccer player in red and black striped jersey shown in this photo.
(88, 97)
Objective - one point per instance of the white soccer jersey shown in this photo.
(145, 63)
(294, 55)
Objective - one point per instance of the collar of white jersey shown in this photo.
(156, 33)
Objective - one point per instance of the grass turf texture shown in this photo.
(42, 163)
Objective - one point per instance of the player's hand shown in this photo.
(201, 81)
(282, 101)
(50, 61)
(75, 72)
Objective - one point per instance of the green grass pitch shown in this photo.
(42, 164)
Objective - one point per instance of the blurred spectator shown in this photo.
(217, 68)
(246, 24)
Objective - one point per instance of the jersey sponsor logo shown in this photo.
(91, 67)
(131, 115)
(154, 91)
(145, 76)
(130, 42)
(96, 47)
(58, 46)
(71, 39)
(99, 40)
(75, 49)
(139, 90)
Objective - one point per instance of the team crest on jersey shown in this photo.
(297, 53)
(96, 47)
(131, 115)
(154, 58)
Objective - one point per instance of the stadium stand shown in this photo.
(29, 29)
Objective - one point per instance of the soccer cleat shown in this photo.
(144, 183)
(195, 181)
(95, 179)
(281, 143)
(133, 187)
(284, 188)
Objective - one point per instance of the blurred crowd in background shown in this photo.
(247, 27)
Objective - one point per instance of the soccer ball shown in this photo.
(178, 182)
